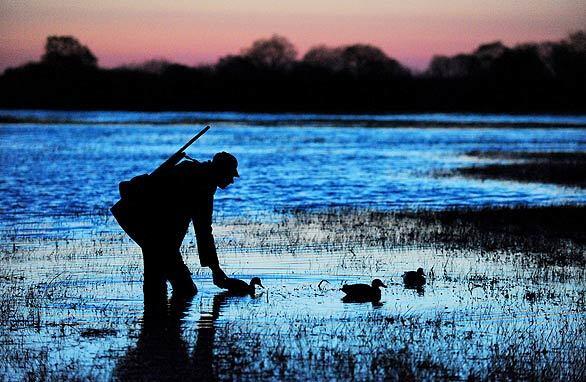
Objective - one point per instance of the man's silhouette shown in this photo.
(158, 210)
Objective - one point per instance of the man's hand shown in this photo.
(218, 276)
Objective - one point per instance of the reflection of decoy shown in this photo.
(363, 292)
(419, 288)
(239, 287)
(414, 279)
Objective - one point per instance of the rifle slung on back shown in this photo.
(180, 154)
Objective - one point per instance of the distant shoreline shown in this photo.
(379, 120)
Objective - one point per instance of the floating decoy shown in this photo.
(363, 292)
(413, 279)
(239, 287)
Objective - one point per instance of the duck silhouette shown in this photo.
(241, 288)
(414, 279)
(363, 292)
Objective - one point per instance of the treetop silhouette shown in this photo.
(67, 50)
(268, 76)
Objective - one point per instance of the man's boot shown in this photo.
(181, 282)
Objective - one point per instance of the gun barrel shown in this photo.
(177, 156)
(195, 138)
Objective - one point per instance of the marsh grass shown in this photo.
(550, 235)
(505, 300)
(563, 168)
(406, 348)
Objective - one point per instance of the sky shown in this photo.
(192, 32)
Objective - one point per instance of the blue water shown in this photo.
(59, 175)
(334, 120)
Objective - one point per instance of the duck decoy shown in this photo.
(414, 279)
(239, 287)
(363, 292)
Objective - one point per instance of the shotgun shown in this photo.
(180, 154)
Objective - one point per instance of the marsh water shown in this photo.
(68, 164)
(71, 281)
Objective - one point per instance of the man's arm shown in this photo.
(206, 247)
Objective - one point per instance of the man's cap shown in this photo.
(226, 162)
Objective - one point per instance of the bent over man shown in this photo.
(157, 211)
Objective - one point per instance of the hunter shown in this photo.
(157, 211)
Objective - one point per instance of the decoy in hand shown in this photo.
(363, 292)
(239, 287)
(414, 279)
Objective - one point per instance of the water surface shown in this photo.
(53, 173)
(71, 304)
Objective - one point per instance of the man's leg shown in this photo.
(154, 281)
(179, 275)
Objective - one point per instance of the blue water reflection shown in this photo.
(65, 170)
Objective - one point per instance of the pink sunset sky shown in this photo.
(193, 32)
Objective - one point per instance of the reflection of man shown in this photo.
(203, 353)
(161, 353)
(161, 211)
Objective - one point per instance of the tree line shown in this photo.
(270, 76)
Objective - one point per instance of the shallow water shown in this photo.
(71, 302)
(77, 309)
(53, 173)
